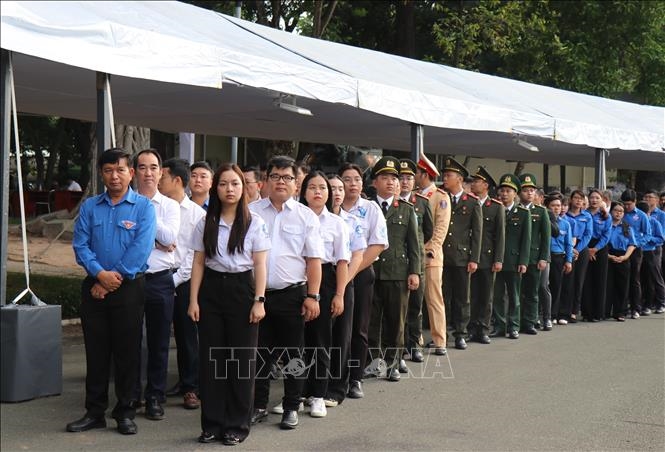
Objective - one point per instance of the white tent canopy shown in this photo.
(168, 61)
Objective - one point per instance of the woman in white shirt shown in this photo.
(226, 299)
(315, 194)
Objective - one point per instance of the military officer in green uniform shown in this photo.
(396, 269)
(414, 318)
(539, 254)
(461, 249)
(515, 259)
(491, 256)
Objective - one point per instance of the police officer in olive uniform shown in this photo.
(491, 256)
(414, 317)
(539, 254)
(396, 269)
(461, 248)
(515, 259)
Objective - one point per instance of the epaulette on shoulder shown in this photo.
(441, 190)
(471, 195)
(496, 201)
(405, 202)
(523, 208)
(422, 196)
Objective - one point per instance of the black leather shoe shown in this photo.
(497, 333)
(531, 330)
(393, 375)
(258, 415)
(513, 335)
(175, 391)
(430, 344)
(355, 390)
(207, 437)
(484, 339)
(460, 343)
(126, 426)
(417, 356)
(289, 420)
(154, 410)
(440, 351)
(86, 423)
(402, 367)
(231, 439)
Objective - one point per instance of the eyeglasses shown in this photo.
(285, 177)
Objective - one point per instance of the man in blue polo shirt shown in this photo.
(113, 237)
(639, 222)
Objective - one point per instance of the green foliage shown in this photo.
(50, 289)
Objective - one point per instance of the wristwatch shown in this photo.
(314, 296)
(260, 299)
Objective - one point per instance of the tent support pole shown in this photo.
(4, 173)
(546, 177)
(103, 130)
(234, 140)
(599, 170)
(417, 141)
(562, 178)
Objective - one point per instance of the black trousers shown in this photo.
(282, 329)
(456, 286)
(618, 284)
(595, 287)
(362, 307)
(158, 314)
(227, 352)
(635, 291)
(654, 288)
(186, 340)
(482, 290)
(544, 295)
(413, 329)
(529, 293)
(556, 280)
(112, 332)
(338, 383)
(386, 326)
(573, 286)
(318, 338)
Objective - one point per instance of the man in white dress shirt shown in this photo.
(175, 178)
(159, 287)
(292, 295)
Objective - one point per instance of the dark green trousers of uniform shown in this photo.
(506, 312)
(414, 317)
(386, 324)
(482, 293)
(456, 288)
(529, 292)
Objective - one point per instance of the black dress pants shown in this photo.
(618, 283)
(556, 279)
(112, 332)
(186, 341)
(595, 286)
(635, 291)
(282, 330)
(482, 291)
(338, 383)
(573, 286)
(227, 352)
(362, 308)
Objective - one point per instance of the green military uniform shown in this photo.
(541, 237)
(462, 245)
(518, 243)
(394, 265)
(491, 252)
(414, 317)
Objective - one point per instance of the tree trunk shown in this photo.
(406, 28)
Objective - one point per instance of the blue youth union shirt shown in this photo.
(116, 237)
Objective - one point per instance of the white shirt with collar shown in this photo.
(335, 235)
(190, 216)
(357, 240)
(456, 197)
(510, 208)
(372, 221)
(388, 201)
(295, 235)
(482, 201)
(167, 212)
(256, 239)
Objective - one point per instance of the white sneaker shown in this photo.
(330, 403)
(563, 322)
(318, 408)
(279, 409)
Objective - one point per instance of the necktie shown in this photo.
(384, 207)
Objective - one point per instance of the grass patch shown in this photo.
(65, 291)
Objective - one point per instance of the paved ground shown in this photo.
(579, 387)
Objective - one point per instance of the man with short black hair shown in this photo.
(253, 183)
(175, 177)
(639, 222)
(113, 236)
(200, 182)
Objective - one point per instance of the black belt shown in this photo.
(214, 273)
(286, 289)
(558, 254)
(168, 271)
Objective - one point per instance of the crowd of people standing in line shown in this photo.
(299, 267)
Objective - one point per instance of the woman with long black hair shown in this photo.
(226, 299)
(595, 285)
(622, 243)
(315, 193)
